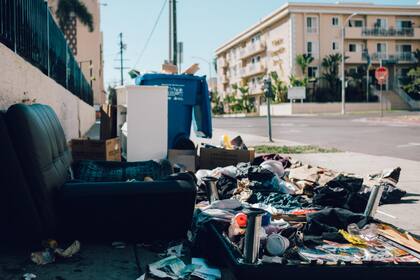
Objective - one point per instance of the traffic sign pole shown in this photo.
(381, 75)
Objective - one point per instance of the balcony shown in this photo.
(312, 30)
(388, 33)
(402, 57)
(252, 70)
(251, 49)
(355, 57)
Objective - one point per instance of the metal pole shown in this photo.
(343, 85)
(170, 32)
(91, 73)
(367, 84)
(175, 34)
(382, 96)
(252, 235)
(268, 94)
(48, 40)
(269, 119)
(121, 58)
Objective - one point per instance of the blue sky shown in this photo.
(203, 25)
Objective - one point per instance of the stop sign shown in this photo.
(381, 74)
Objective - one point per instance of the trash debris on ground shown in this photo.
(51, 251)
(171, 267)
(308, 213)
(118, 245)
(28, 276)
(204, 270)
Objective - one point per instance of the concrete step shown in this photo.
(397, 103)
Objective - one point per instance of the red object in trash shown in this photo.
(241, 219)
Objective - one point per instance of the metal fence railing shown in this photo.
(28, 28)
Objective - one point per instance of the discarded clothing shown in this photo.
(326, 223)
(274, 166)
(342, 192)
(253, 173)
(108, 171)
(226, 186)
(283, 202)
(51, 251)
(284, 160)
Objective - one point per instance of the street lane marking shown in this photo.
(409, 145)
(386, 214)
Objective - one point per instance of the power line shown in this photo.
(151, 34)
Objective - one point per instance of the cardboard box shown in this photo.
(187, 158)
(211, 158)
(88, 149)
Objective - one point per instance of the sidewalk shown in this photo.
(249, 139)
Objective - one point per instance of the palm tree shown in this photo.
(279, 88)
(67, 8)
(303, 60)
(331, 64)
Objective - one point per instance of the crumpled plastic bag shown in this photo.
(51, 251)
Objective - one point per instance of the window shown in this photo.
(334, 46)
(255, 38)
(311, 24)
(309, 47)
(406, 48)
(401, 24)
(312, 71)
(335, 21)
(255, 59)
(356, 23)
(381, 23)
(381, 47)
(352, 47)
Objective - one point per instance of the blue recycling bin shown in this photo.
(188, 102)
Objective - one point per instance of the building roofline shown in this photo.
(286, 8)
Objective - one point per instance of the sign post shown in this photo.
(381, 74)
(268, 91)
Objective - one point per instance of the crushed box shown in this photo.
(88, 149)
(211, 158)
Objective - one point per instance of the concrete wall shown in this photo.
(20, 80)
(320, 108)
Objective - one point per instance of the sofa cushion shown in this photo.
(19, 219)
(43, 153)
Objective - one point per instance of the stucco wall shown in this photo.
(20, 80)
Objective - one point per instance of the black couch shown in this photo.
(38, 200)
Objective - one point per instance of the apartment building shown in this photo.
(387, 33)
(87, 47)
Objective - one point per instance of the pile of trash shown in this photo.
(307, 214)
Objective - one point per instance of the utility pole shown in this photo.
(175, 39)
(122, 58)
(170, 32)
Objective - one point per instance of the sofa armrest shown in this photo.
(135, 211)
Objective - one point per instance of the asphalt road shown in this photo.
(361, 133)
